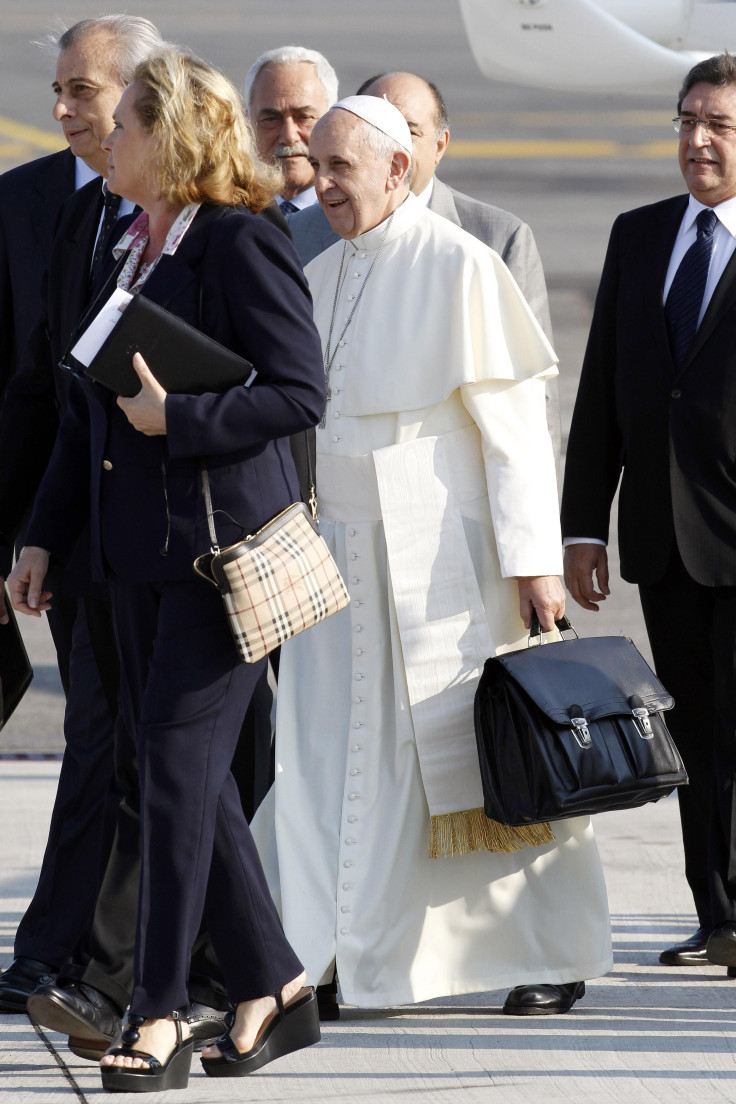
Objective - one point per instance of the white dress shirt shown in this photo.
(82, 173)
(301, 199)
(724, 242)
(425, 196)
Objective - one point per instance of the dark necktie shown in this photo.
(110, 209)
(685, 299)
(287, 207)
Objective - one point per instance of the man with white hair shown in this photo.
(438, 500)
(286, 92)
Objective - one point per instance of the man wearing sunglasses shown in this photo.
(656, 403)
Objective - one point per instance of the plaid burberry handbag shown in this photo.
(275, 583)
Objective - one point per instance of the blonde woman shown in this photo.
(182, 150)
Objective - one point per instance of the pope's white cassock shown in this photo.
(436, 483)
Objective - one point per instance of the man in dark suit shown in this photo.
(88, 84)
(31, 197)
(656, 402)
(30, 200)
(423, 107)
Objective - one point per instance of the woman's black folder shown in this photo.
(183, 360)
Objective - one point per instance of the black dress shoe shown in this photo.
(84, 1014)
(327, 1006)
(691, 952)
(721, 949)
(22, 976)
(207, 1024)
(543, 1000)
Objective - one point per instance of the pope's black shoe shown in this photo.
(90, 1020)
(207, 1024)
(691, 952)
(721, 948)
(327, 1006)
(543, 1000)
(22, 976)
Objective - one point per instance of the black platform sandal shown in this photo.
(156, 1076)
(291, 1027)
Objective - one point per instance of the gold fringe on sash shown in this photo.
(463, 832)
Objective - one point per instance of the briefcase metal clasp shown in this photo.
(581, 732)
(641, 718)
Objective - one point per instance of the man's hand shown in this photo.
(546, 595)
(3, 611)
(582, 561)
(26, 580)
(146, 411)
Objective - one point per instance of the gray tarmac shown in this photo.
(645, 1033)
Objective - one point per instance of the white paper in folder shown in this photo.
(102, 325)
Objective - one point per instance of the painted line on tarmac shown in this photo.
(556, 118)
(58, 1059)
(10, 151)
(550, 150)
(30, 135)
(474, 149)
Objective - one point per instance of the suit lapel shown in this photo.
(76, 253)
(722, 298)
(174, 274)
(657, 245)
(52, 187)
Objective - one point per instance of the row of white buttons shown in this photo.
(354, 772)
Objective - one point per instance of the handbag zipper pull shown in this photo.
(580, 729)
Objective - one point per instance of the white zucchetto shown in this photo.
(381, 114)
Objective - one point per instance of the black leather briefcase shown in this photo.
(572, 728)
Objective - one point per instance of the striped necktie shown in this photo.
(287, 207)
(110, 211)
(685, 299)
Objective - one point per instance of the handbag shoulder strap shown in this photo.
(208, 506)
(303, 447)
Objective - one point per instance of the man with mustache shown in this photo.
(286, 92)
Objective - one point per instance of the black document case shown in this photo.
(183, 360)
(15, 669)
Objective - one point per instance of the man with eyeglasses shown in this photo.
(657, 401)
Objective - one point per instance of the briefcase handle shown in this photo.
(535, 629)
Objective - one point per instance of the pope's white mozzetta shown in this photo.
(437, 488)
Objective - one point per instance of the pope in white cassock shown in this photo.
(436, 482)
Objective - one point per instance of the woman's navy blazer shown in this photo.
(237, 278)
